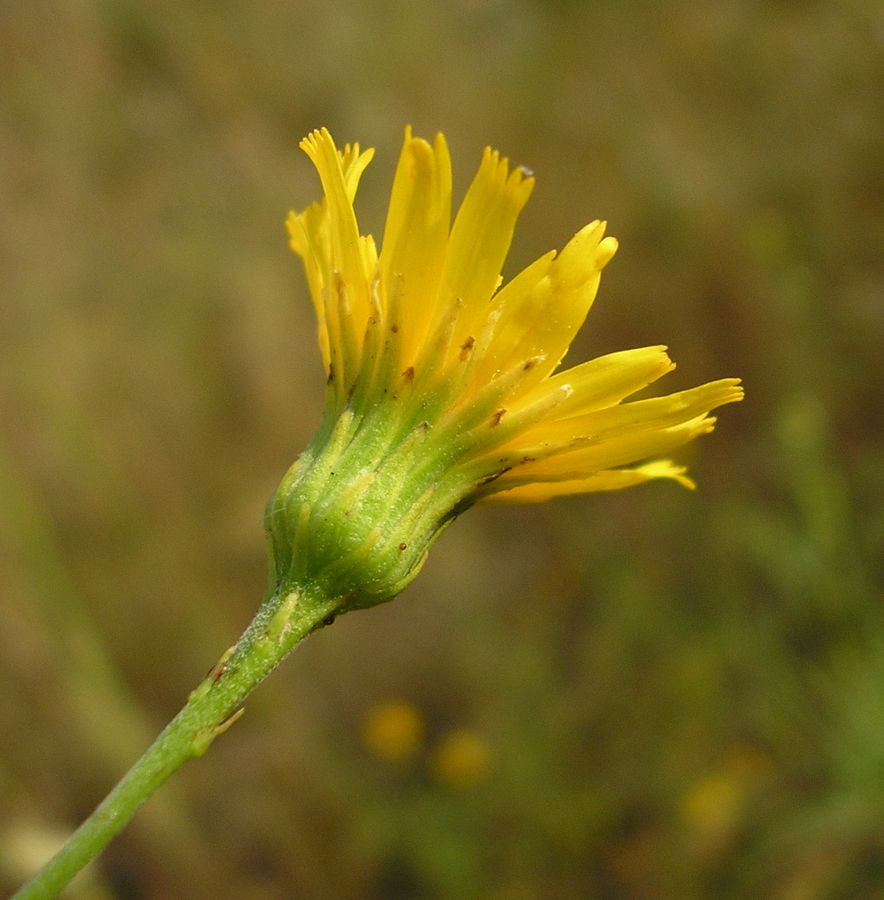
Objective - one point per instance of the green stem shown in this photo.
(283, 620)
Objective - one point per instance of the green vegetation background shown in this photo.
(678, 695)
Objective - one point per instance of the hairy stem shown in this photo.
(284, 619)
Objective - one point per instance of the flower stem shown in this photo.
(284, 619)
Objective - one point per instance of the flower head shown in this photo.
(443, 386)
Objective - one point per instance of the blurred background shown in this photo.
(649, 694)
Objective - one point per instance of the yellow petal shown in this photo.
(348, 257)
(415, 238)
(636, 417)
(543, 320)
(607, 480)
(620, 449)
(554, 413)
(480, 240)
(604, 381)
(308, 236)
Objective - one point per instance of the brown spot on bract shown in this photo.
(403, 547)
(495, 419)
(408, 374)
(466, 347)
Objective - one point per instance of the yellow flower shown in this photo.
(393, 731)
(443, 389)
(461, 760)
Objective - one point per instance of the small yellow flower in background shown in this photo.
(443, 389)
(393, 731)
(461, 759)
(714, 806)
